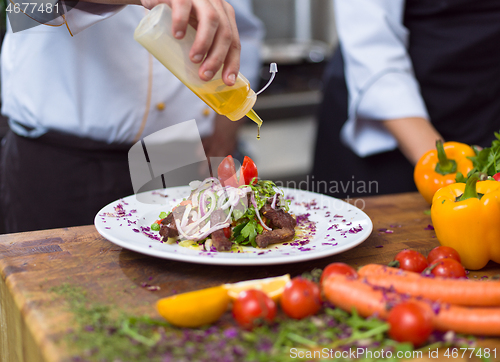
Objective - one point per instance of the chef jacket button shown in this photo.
(160, 106)
(206, 112)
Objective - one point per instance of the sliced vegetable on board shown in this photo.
(466, 218)
(206, 306)
(194, 309)
(273, 286)
(439, 167)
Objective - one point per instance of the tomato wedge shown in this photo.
(226, 172)
(248, 172)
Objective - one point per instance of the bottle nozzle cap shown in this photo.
(273, 69)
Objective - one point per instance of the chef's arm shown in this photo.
(414, 135)
(217, 42)
(224, 139)
(380, 80)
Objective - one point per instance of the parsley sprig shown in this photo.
(248, 225)
(486, 161)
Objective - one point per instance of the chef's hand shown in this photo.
(217, 41)
(224, 139)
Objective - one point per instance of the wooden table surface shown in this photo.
(33, 324)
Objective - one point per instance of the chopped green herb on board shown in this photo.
(100, 335)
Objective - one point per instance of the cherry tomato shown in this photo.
(497, 176)
(409, 322)
(226, 172)
(448, 268)
(253, 306)
(301, 298)
(337, 268)
(411, 260)
(441, 252)
(248, 172)
(227, 232)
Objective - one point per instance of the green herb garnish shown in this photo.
(485, 161)
(155, 226)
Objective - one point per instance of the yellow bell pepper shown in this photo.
(439, 167)
(466, 217)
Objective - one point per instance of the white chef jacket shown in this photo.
(100, 83)
(379, 72)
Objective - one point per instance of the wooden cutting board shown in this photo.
(33, 321)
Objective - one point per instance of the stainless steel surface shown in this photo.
(295, 28)
(303, 20)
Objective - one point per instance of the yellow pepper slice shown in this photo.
(439, 167)
(466, 217)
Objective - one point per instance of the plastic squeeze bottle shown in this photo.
(154, 33)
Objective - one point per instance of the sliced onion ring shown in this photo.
(252, 198)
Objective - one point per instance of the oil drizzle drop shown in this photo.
(254, 117)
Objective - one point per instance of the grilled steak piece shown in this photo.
(283, 225)
(279, 218)
(219, 240)
(168, 228)
(274, 236)
(168, 219)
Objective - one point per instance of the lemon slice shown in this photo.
(273, 287)
(194, 309)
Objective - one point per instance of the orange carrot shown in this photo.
(455, 291)
(347, 293)
(469, 320)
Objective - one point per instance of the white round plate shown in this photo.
(337, 226)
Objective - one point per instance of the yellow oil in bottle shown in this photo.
(223, 101)
(219, 98)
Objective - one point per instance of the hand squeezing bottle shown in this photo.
(155, 34)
